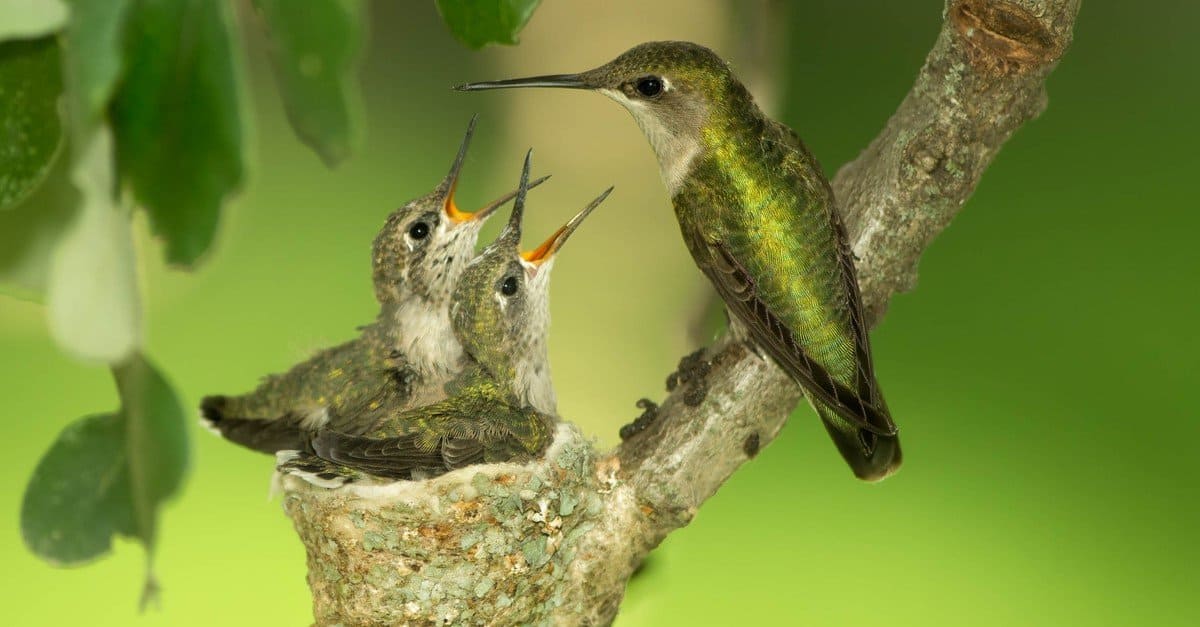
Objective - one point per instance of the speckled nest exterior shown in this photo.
(487, 544)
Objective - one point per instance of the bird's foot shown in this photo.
(691, 374)
(641, 423)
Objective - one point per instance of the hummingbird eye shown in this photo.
(418, 231)
(509, 286)
(649, 86)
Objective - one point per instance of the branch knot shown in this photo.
(1004, 38)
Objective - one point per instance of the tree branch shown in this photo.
(555, 542)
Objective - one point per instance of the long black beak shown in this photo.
(565, 81)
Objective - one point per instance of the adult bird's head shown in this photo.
(675, 90)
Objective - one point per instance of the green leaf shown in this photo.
(92, 58)
(179, 137)
(157, 449)
(79, 494)
(478, 23)
(30, 120)
(25, 19)
(31, 231)
(156, 440)
(109, 474)
(92, 296)
(313, 53)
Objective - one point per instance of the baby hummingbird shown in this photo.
(499, 316)
(402, 359)
(759, 217)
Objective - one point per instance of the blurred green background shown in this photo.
(1044, 372)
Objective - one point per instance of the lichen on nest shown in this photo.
(486, 543)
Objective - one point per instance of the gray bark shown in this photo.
(555, 542)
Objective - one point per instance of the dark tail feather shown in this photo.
(259, 434)
(313, 469)
(872, 457)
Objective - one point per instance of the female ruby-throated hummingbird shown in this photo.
(500, 317)
(759, 218)
(402, 359)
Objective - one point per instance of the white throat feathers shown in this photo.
(420, 324)
(676, 151)
(423, 334)
(533, 382)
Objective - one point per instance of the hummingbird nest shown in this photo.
(486, 544)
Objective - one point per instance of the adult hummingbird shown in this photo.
(759, 217)
(402, 359)
(499, 315)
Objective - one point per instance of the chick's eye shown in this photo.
(509, 286)
(649, 86)
(418, 231)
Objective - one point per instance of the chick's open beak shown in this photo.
(458, 216)
(546, 251)
(450, 184)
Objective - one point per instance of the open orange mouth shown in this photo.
(550, 247)
(450, 184)
(547, 248)
(458, 216)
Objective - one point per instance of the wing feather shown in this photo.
(437, 438)
(858, 401)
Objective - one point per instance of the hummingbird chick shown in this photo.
(759, 218)
(501, 407)
(401, 360)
